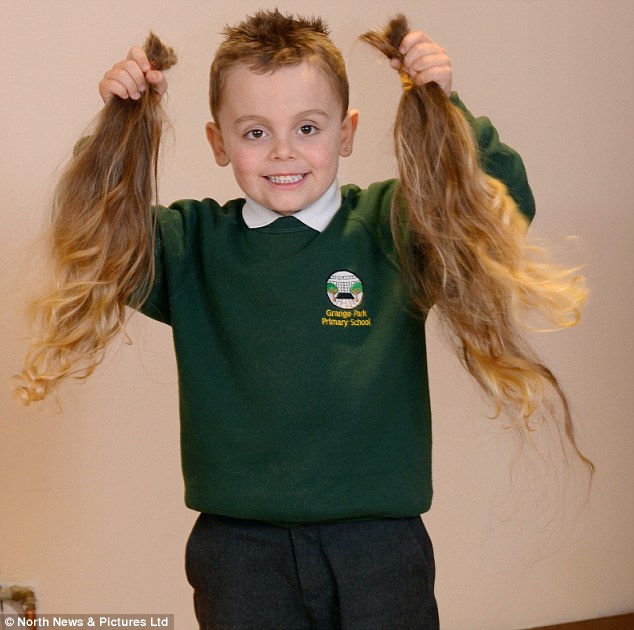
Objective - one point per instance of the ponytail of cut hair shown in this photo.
(101, 240)
(462, 247)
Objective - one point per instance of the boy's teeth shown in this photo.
(285, 179)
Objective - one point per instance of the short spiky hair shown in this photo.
(270, 40)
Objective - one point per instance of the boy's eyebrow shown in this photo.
(312, 112)
(305, 114)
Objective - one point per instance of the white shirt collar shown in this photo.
(316, 216)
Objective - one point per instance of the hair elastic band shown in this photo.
(406, 82)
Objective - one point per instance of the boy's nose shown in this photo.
(282, 149)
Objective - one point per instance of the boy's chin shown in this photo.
(287, 213)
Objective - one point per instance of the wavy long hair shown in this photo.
(463, 249)
(101, 240)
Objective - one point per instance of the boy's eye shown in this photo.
(254, 134)
(307, 130)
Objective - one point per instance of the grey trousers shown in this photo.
(357, 575)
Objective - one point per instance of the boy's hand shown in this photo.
(424, 61)
(131, 77)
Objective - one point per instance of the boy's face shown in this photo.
(283, 134)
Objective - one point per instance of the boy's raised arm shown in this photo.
(424, 61)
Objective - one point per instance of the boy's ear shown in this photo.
(216, 142)
(348, 128)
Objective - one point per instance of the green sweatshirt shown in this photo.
(302, 370)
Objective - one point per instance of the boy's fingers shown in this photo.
(130, 78)
(134, 71)
(125, 79)
(137, 54)
(437, 75)
(413, 38)
(158, 81)
(425, 61)
(420, 64)
(425, 54)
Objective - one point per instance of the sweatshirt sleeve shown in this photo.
(177, 228)
(499, 160)
(186, 233)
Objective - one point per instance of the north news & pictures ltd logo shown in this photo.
(165, 622)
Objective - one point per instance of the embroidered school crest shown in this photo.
(344, 289)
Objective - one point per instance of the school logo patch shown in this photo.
(344, 289)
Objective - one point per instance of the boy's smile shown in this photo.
(282, 133)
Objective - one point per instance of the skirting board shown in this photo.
(618, 622)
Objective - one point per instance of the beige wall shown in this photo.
(92, 511)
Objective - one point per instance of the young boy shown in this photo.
(304, 401)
